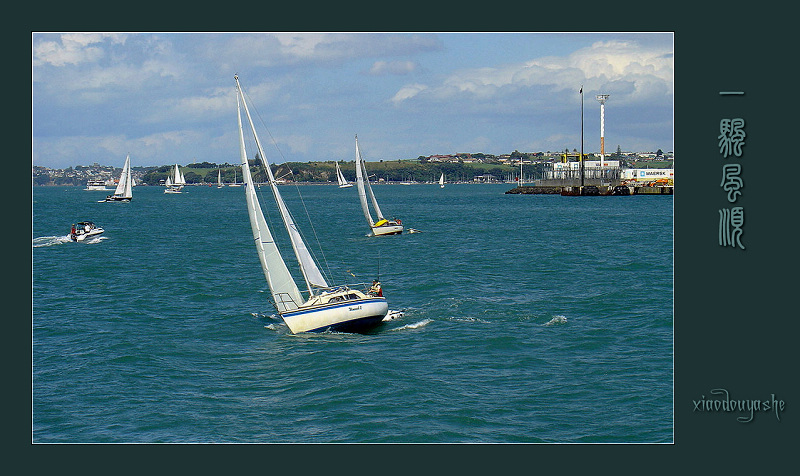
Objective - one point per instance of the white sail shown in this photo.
(372, 195)
(124, 187)
(219, 178)
(308, 266)
(441, 180)
(168, 183)
(283, 288)
(362, 194)
(178, 177)
(366, 183)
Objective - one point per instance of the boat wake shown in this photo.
(470, 319)
(556, 320)
(50, 241)
(415, 325)
(94, 239)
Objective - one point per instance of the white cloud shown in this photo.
(275, 49)
(73, 48)
(408, 91)
(380, 68)
(603, 65)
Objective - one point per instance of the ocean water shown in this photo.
(528, 319)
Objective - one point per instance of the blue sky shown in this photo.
(168, 98)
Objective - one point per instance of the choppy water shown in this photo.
(532, 318)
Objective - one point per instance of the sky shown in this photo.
(167, 98)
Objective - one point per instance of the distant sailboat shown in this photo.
(176, 182)
(124, 190)
(441, 181)
(234, 184)
(219, 178)
(343, 183)
(382, 226)
(336, 308)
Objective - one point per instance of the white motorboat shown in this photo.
(336, 308)
(383, 226)
(96, 185)
(83, 230)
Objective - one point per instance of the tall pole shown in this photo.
(602, 98)
(581, 159)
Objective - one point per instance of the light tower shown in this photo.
(602, 98)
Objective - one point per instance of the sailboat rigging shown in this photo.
(383, 226)
(124, 190)
(339, 308)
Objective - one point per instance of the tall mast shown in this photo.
(581, 137)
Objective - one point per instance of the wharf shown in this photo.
(592, 190)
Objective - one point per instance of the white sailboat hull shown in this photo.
(346, 316)
(387, 230)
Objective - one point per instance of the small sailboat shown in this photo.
(124, 190)
(175, 182)
(339, 308)
(383, 226)
(235, 183)
(83, 230)
(219, 178)
(441, 181)
(343, 183)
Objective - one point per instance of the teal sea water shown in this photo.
(528, 318)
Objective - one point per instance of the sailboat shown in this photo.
(441, 181)
(339, 308)
(219, 178)
(124, 190)
(176, 182)
(382, 226)
(343, 183)
(234, 184)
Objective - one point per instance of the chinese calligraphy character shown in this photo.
(731, 137)
(731, 181)
(731, 221)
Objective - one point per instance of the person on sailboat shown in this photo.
(376, 290)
